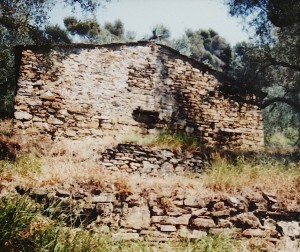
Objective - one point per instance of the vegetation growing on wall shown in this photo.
(31, 226)
(25, 226)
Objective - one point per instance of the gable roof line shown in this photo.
(194, 62)
(190, 59)
(205, 67)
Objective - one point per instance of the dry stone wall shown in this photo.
(145, 161)
(182, 213)
(120, 89)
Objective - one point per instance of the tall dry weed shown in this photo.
(271, 175)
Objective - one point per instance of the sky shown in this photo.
(141, 16)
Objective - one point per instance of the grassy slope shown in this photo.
(26, 227)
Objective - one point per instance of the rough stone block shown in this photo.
(167, 168)
(104, 197)
(167, 228)
(23, 116)
(194, 201)
(191, 234)
(256, 232)
(221, 213)
(55, 121)
(203, 223)
(154, 234)
(291, 228)
(62, 193)
(248, 220)
(181, 220)
(147, 167)
(70, 133)
(224, 231)
(137, 218)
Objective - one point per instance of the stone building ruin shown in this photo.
(85, 91)
(81, 90)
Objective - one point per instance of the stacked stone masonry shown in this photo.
(163, 212)
(145, 161)
(119, 89)
(162, 216)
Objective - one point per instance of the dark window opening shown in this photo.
(147, 117)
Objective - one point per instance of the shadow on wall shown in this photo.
(160, 90)
(147, 117)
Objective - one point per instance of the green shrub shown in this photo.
(27, 164)
(283, 139)
(24, 165)
(16, 216)
(178, 141)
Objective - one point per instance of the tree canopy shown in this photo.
(209, 47)
(272, 62)
(266, 14)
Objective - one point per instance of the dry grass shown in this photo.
(269, 175)
(61, 171)
(71, 164)
(136, 138)
(178, 142)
